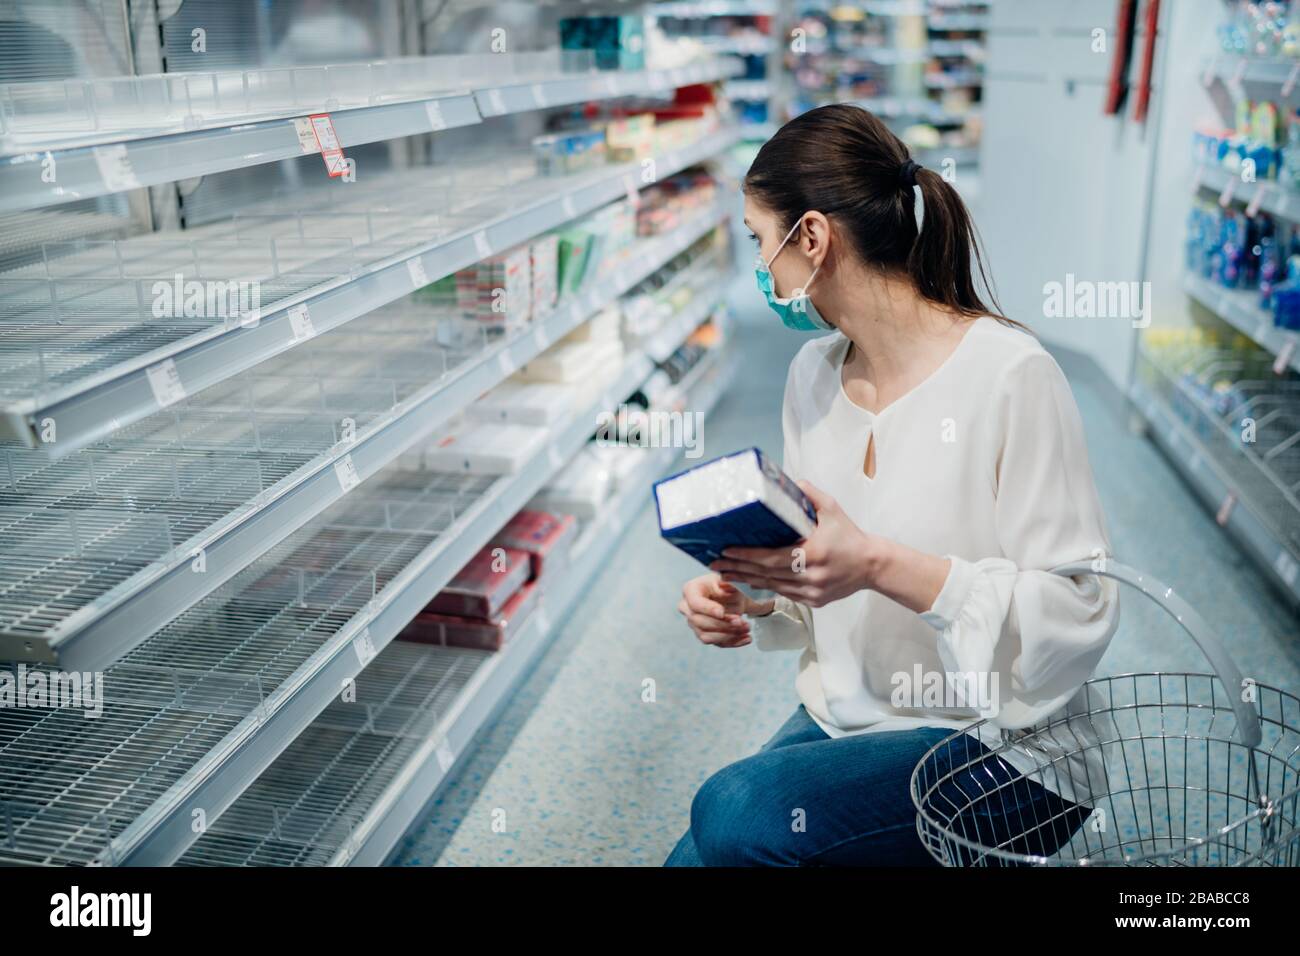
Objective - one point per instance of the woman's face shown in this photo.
(791, 267)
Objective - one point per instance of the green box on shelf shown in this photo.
(618, 42)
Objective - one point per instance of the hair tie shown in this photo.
(907, 173)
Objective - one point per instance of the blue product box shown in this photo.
(739, 500)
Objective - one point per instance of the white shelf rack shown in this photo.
(112, 362)
(109, 135)
(1240, 308)
(347, 790)
(1269, 195)
(1272, 78)
(1236, 495)
(199, 710)
(117, 529)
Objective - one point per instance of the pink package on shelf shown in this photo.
(451, 630)
(544, 536)
(485, 584)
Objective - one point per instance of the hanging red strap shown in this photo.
(1148, 56)
(1117, 89)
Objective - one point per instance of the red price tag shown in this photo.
(1291, 78)
(330, 149)
(1252, 208)
(1225, 509)
(1225, 197)
(1284, 356)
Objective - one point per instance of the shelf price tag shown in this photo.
(364, 647)
(433, 110)
(1289, 84)
(1225, 197)
(1252, 207)
(1207, 78)
(496, 105)
(540, 338)
(306, 135)
(1287, 568)
(444, 755)
(300, 322)
(415, 267)
(1284, 356)
(629, 186)
(165, 381)
(506, 363)
(115, 167)
(330, 148)
(1239, 73)
(481, 244)
(1225, 509)
(570, 210)
(346, 473)
(539, 95)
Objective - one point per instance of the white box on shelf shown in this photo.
(484, 448)
(572, 362)
(524, 403)
(602, 327)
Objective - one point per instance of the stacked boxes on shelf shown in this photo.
(488, 600)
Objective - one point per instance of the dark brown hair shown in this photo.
(843, 162)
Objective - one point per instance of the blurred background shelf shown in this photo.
(1240, 308)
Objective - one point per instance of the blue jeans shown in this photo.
(806, 799)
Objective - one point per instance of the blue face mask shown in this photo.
(798, 311)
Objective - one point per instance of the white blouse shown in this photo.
(985, 463)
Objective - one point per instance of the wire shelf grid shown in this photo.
(70, 783)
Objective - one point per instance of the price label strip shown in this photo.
(364, 647)
(1284, 356)
(1225, 197)
(1287, 568)
(1256, 200)
(115, 168)
(300, 322)
(444, 755)
(346, 473)
(165, 381)
(419, 278)
(1225, 509)
(629, 186)
(328, 141)
(433, 109)
(307, 143)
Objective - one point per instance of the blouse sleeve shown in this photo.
(789, 626)
(1041, 634)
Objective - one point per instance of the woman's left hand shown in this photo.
(833, 562)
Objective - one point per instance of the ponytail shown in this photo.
(845, 163)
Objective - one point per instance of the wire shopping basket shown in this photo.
(1175, 769)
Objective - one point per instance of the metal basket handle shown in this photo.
(1249, 731)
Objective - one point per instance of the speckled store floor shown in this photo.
(579, 769)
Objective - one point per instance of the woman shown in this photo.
(942, 449)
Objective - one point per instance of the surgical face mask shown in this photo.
(796, 312)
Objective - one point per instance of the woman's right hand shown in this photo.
(715, 611)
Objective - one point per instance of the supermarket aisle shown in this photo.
(585, 772)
